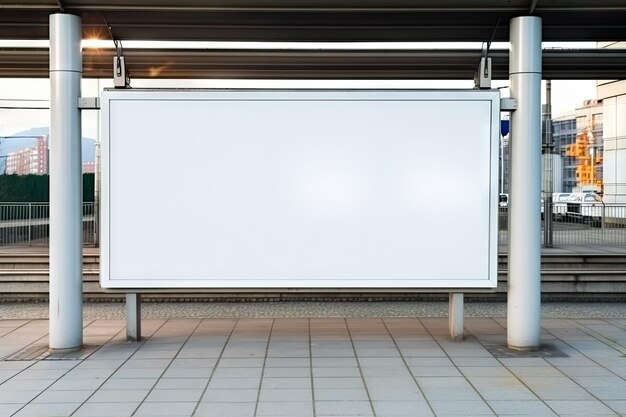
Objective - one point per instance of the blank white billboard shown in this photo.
(299, 189)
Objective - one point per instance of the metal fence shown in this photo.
(605, 224)
(579, 224)
(29, 224)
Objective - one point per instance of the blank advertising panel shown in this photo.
(299, 189)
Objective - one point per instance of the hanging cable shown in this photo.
(121, 77)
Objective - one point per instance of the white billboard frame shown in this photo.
(133, 259)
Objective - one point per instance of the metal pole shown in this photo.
(30, 222)
(524, 287)
(66, 315)
(548, 172)
(96, 194)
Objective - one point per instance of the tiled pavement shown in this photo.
(316, 367)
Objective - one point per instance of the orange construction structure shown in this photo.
(587, 159)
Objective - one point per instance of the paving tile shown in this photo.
(146, 364)
(95, 409)
(427, 361)
(100, 364)
(341, 371)
(287, 362)
(288, 352)
(42, 374)
(321, 352)
(601, 381)
(456, 394)
(402, 409)
(137, 373)
(619, 406)
(521, 393)
(334, 362)
(613, 392)
(62, 365)
(67, 384)
(377, 352)
(343, 394)
(490, 371)
(119, 396)
(193, 363)
(52, 397)
(164, 409)
(585, 371)
(237, 372)
(525, 371)
(582, 408)
(26, 384)
(235, 383)
(381, 362)
(395, 372)
(241, 363)
(287, 372)
(174, 395)
(230, 395)
(48, 410)
(423, 352)
(182, 383)
(557, 393)
(17, 397)
(282, 395)
(155, 354)
(285, 409)
(461, 360)
(520, 407)
(461, 408)
(273, 383)
(338, 383)
(188, 373)
(389, 391)
(434, 371)
(129, 383)
(524, 362)
(343, 408)
(9, 409)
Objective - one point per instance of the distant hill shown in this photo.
(28, 139)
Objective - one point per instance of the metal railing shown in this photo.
(579, 224)
(29, 224)
(598, 224)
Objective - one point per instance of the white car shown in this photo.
(559, 204)
(585, 206)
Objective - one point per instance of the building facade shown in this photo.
(29, 161)
(564, 134)
(613, 95)
(590, 128)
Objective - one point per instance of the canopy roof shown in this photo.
(318, 20)
(316, 64)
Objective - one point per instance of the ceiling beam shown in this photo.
(316, 64)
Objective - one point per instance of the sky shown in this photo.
(566, 95)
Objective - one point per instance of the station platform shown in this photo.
(317, 366)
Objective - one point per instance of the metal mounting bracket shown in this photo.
(89, 103)
(482, 77)
(508, 104)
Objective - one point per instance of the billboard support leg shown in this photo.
(66, 240)
(524, 287)
(455, 315)
(133, 317)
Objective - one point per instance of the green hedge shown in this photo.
(36, 188)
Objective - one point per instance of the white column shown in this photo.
(133, 317)
(455, 315)
(66, 243)
(524, 287)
